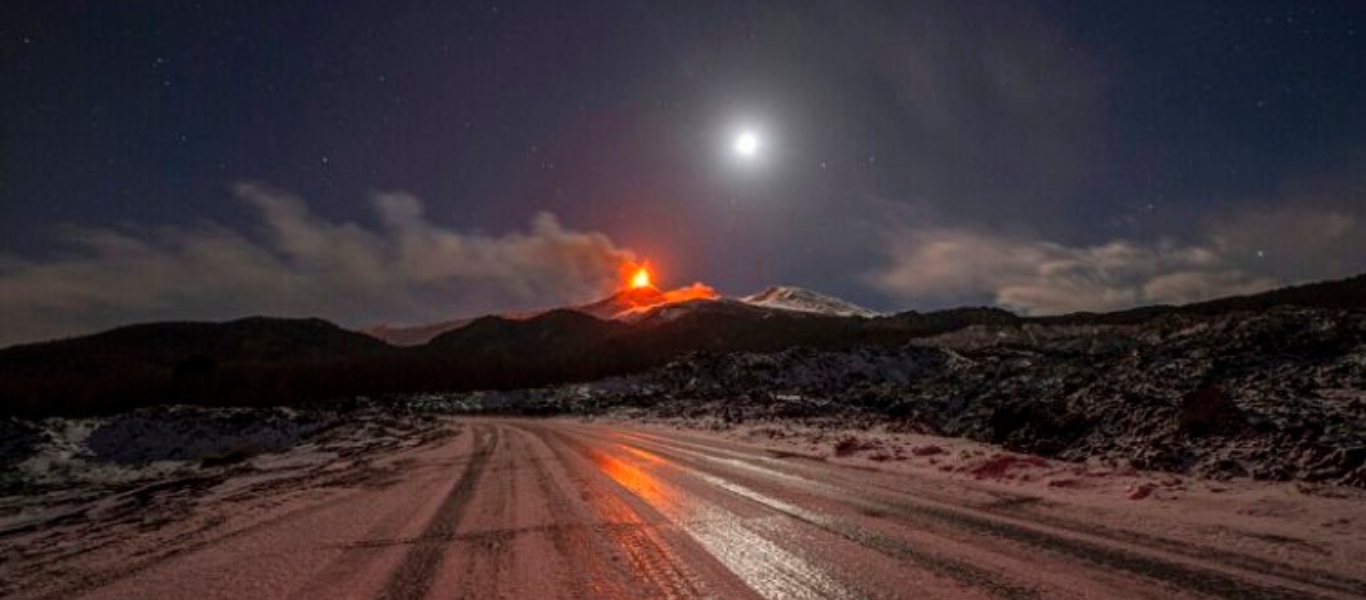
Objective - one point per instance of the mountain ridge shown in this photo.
(638, 303)
(262, 360)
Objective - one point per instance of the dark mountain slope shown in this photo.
(256, 360)
(1341, 294)
(253, 339)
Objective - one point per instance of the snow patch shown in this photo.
(804, 300)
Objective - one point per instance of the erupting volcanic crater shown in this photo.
(640, 296)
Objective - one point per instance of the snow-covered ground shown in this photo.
(58, 469)
(149, 443)
(404, 505)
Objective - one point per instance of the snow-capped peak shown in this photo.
(804, 300)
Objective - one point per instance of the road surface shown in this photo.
(561, 509)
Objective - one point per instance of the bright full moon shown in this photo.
(746, 144)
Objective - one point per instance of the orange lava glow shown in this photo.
(641, 279)
(696, 291)
(638, 293)
(637, 300)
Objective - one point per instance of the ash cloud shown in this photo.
(298, 263)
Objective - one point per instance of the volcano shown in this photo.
(645, 302)
(639, 301)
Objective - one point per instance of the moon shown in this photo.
(746, 144)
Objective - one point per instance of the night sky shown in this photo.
(406, 161)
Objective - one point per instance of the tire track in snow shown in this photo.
(413, 577)
(763, 565)
(962, 572)
(622, 529)
(577, 543)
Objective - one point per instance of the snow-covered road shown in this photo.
(562, 509)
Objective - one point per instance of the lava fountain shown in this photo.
(641, 278)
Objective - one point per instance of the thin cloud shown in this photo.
(1252, 252)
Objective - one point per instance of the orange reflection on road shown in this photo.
(632, 477)
(766, 567)
(649, 457)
